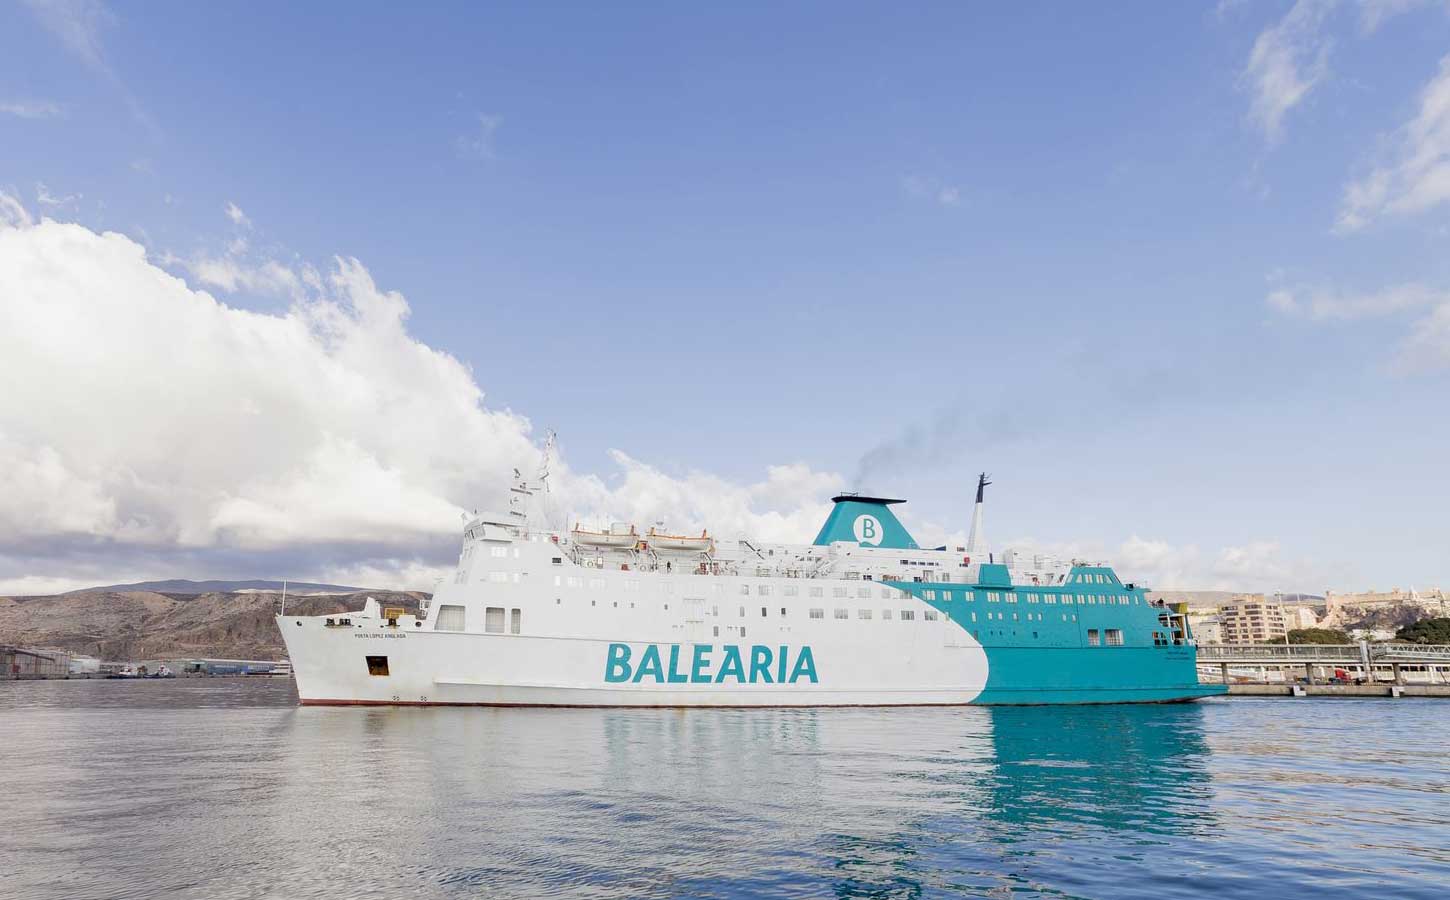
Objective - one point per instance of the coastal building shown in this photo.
(1253, 619)
(1207, 629)
(28, 662)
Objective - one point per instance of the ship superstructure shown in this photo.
(616, 616)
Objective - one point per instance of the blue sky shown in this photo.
(1176, 274)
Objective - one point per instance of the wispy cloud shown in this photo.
(1425, 347)
(79, 24)
(31, 109)
(46, 198)
(924, 187)
(478, 143)
(239, 218)
(1418, 178)
(1289, 60)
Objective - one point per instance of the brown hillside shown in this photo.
(132, 625)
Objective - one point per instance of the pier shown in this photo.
(1361, 669)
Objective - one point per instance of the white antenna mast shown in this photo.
(284, 596)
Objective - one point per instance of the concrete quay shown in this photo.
(1339, 690)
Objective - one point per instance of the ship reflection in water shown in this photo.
(1219, 798)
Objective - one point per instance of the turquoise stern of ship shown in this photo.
(1046, 659)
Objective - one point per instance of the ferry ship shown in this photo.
(860, 617)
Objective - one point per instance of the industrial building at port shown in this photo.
(28, 663)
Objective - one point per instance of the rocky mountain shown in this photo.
(130, 625)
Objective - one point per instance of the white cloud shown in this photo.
(239, 218)
(1327, 303)
(154, 430)
(45, 198)
(1288, 61)
(1426, 347)
(1374, 13)
(31, 109)
(13, 213)
(923, 187)
(478, 144)
(1418, 179)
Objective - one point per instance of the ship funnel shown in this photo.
(976, 535)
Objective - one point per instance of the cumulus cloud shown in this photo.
(152, 430)
(1418, 176)
(1289, 60)
(1427, 346)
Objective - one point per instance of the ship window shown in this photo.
(742, 631)
(764, 612)
(1114, 637)
(818, 592)
(863, 592)
(863, 613)
(742, 612)
(1011, 597)
(818, 613)
(885, 613)
(974, 616)
(908, 614)
(596, 584)
(1093, 637)
(930, 595)
(888, 593)
(377, 665)
(929, 615)
(782, 610)
(498, 577)
(558, 580)
(516, 617)
(498, 552)
(1049, 598)
(762, 590)
(791, 590)
(450, 618)
(838, 592)
(575, 581)
(745, 589)
(714, 610)
(557, 560)
(843, 613)
(493, 619)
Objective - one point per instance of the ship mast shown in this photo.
(976, 534)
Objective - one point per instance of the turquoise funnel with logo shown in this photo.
(867, 521)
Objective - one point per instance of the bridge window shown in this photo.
(1049, 598)
(493, 619)
(885, 613)
(791, 590)
(842, 613)
(450, 618)
(1113, 637)
(930, 595)
(863, 613)
(863, 593)
(1010, 597)
(516, 617)
(929, 615)
(838, 592)
(818, 613)
(818, 592)
(1093, 640)
(907, 615)
(762, 590)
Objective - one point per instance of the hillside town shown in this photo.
(1224, 618)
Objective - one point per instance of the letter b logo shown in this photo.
(868, 530)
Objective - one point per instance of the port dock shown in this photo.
(1328, 670)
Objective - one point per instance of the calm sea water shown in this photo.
(224, 788)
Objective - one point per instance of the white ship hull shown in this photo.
(440, 668)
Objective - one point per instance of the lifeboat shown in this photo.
(660, 541)
(618, 537)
